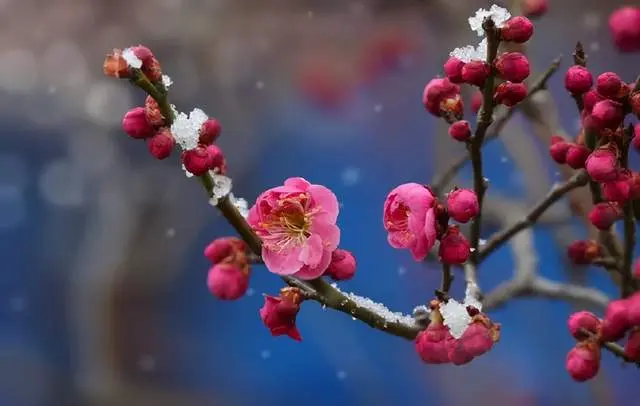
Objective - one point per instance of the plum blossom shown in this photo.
(410, 220)
(297, 225)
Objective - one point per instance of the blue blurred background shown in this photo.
(103, 298)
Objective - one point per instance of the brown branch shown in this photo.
(501, 237)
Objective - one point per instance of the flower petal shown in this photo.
(301, 184)
(326, 201)
(282, 263)
(311, 252)
(308, 273)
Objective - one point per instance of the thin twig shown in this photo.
(608, 263)
(498, 239)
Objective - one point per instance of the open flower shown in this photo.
(410, 220)
(297, 225)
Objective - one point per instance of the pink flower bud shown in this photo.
(135, 124)
(535, 8)
(513, 66)
(604, 214)
(342, 266)
(577, 156)
(476, 73)
(279, 313)
(453, 69)
(624, 24)
(115, 66)
(454, 247)
(517, 29)
(458, 354)
(209, 131)
(583, 361)
(509, 93)
(228, 281)
(161, 144)
(477, 100)
(143, 53)
(225, 249)
(431, 344)
(616, 320)
(152, 112)
(632, 347)
(462, 205)
(583, 320)
(618, 190)
(608, 85)
(602, 165)
(437, 92)
(590, 99)
(634, 100)
(607, 114)
(477, 339)
(633, 305)
(197, 160)
(578, 80)
(218, 162)
(558, 149)
(583, 252)
(152, 69)
(460, 130)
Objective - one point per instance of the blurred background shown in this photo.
(103, 298)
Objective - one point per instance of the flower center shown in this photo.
(290, 225)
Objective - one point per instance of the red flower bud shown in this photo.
(460, 130)
(135, 124)
(583, 361)
(279, 313)
(209, 131)
(513, 66)
(618, 190)
(115, 66)
(454, 247)
(218, 162)
(458, 354)
(476, 73)
(583, 252)
(633, 304)
(604, 214)
(143, 53)
(590, 99)
(632, 347)
(624, 24)
(228, 281)
(431, 344)
(225, 249)
(616, 320)
(441, 96)
(509, 93)
(342, 266)
(197, 160)
(479, 337)
(583, 320)
(577, 156)
(608, 85)
(152, 112)
(453, 69)
(535, 8)
(161, 144)
(602, 165)
(558, 149)
(462, 205)
(152, 69)
(578, 80)
(477, 99)
(607, 114)
(517, 29)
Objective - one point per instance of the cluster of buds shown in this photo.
(279, 313)
(438, 344)
(228, 278)
(621, 320)
(462, 206)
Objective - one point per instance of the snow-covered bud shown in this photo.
(583, 320)
(453, 69)
(476, 72)
(607, 114)
(152, 70)
(604, 214)
(228, 281)
(460, 130)
(161, 144)
(583, 252)
(558, 149)
(462, 205)
(342, 266)
(583, 361)
(510, 94)
(624, 24)
(454, 247)
(616, 320)
(513, 67)
(602, 165)
(578, 80)
(135, 124)
(577, 156)
(517, 29)
(608, 85)
(115, 66)
(209, 131)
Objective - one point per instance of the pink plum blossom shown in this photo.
(297, 225)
